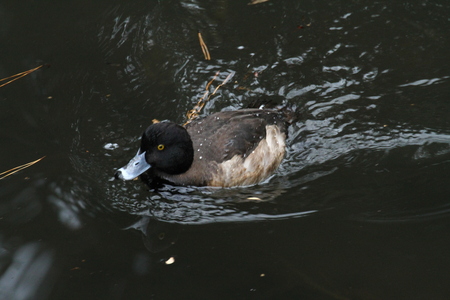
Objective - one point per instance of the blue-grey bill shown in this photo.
(134, 168)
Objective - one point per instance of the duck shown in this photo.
(225, 149)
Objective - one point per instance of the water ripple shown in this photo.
(344, 84)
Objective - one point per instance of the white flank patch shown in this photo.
(258, 165)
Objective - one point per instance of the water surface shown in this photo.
(359, 209)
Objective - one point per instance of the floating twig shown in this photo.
(225, 81)
(193, 113)
(204, 47)
(19, 168)
(18, 76)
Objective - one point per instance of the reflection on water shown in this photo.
(186, 205)
(27, 272)
(157, 236)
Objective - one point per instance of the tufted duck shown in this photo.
(229, 148)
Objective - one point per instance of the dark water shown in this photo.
(360, 208)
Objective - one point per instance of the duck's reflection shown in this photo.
(156, 235)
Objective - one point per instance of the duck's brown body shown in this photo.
(233, 148)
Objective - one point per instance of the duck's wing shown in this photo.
(221, 136)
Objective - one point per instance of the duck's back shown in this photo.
(235, 148)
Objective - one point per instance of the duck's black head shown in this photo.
(166, 147)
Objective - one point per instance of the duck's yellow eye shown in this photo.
(160, 147)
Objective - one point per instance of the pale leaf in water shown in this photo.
(252, 2)
(170, 261)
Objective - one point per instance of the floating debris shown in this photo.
(252, 2)
(18, 76)
(170, 261)
(111, 146)
(193, 113)
(204, 47)
(19, 168)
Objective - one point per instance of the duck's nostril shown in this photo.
(118, 174)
